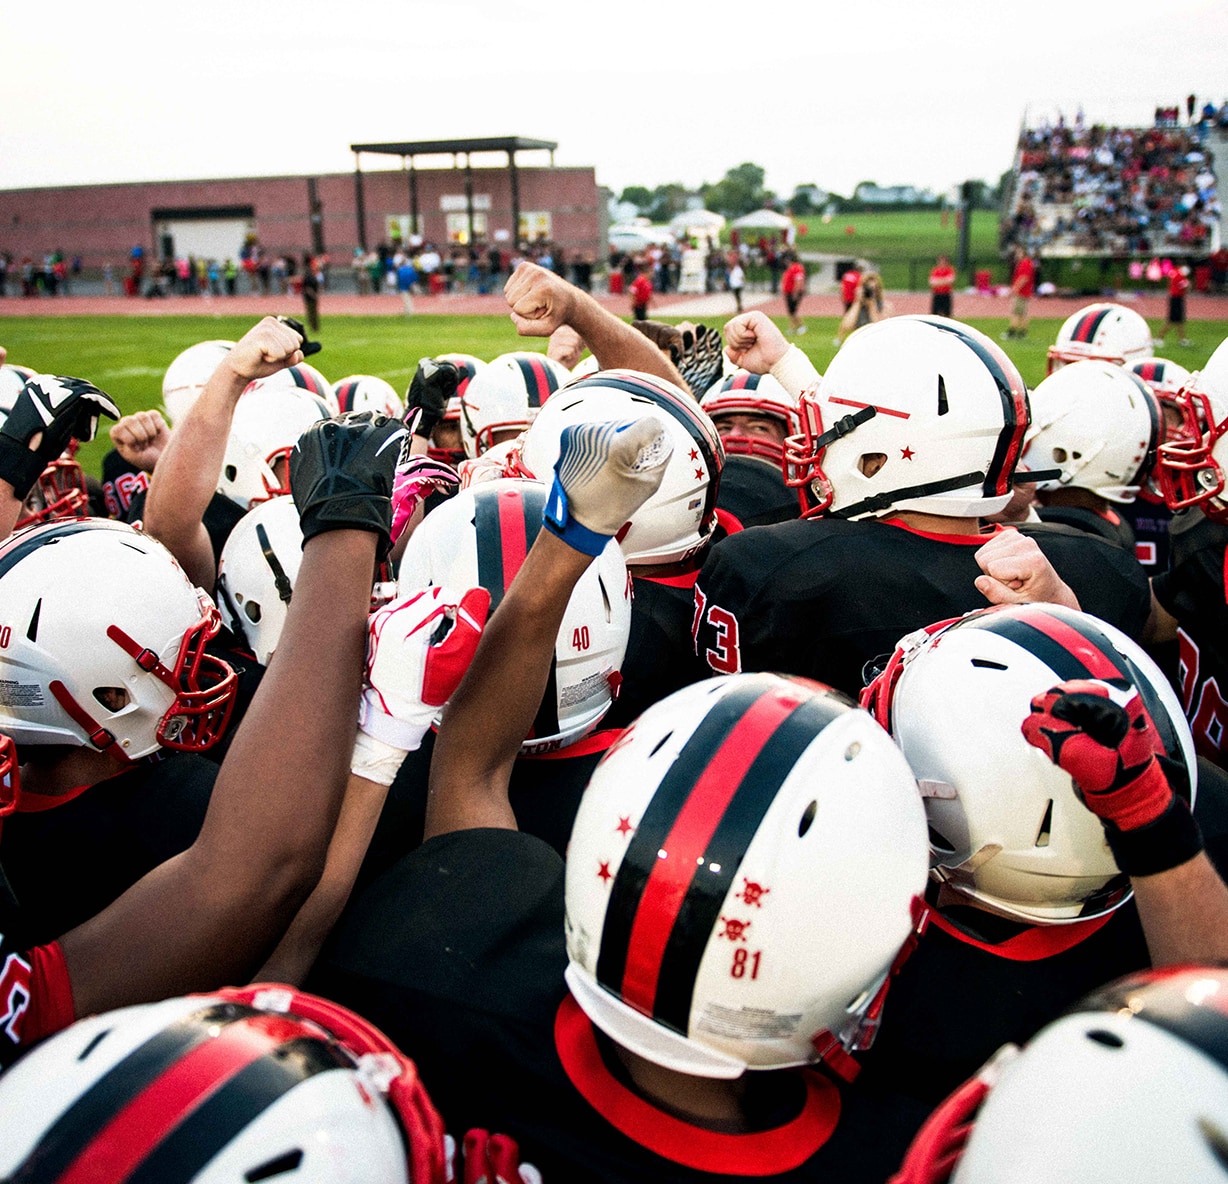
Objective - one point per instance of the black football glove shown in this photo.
(341, 474)
(61, 409)
(433, 384)
(308, 347)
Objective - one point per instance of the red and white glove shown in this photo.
(1104, 739)
(418, 648)
(489, 1159)
(414, 480)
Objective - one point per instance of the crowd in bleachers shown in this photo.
(1095, 189)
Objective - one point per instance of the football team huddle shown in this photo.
(643, 760)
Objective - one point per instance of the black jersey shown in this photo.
(121, 482)
(1150, 521)
(457, 953)
(35, 992)
(822, 598)
(1193, 590)
(544, 792)
(1106, 524)
(660, 656)
(977, 981)
(69, 857)
(753, 490)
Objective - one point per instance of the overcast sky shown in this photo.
(927, 92)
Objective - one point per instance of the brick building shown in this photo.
(334, 212)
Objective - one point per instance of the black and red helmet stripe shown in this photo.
(345, 392)
(309, 379)
(539, 380)
(164, 1111)
(1088, 325)
(1016, 413)
(507, 517)
(1073, 648)
(687, 848)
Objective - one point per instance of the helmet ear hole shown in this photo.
(112, 698)
(251, 610)
(231, 472)
(871, 462)
(1059, 456)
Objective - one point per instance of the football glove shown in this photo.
(57, 410)
(342, 472)
(604, 473)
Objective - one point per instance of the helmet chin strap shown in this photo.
(891, 497)
(99, 737)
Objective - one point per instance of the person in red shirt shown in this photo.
(848, 287)
(641, 293)
(1023, 288)
(1178, 285)
(793, 285)
(942, 284)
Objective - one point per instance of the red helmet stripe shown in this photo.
(506, 521)
(666, 898)
(539, 380)
(877, 407)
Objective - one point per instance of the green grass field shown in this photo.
(893, 238)
(127, 356)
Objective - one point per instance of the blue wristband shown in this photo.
(556, 517)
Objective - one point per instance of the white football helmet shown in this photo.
(105, 637)
(745, 393)
(1006, 826)
(268, 420)
(186, 376)
(915, 413)
(480, 538)
(677, 522)
(307, 378)
(366, 392)
(1191, 464)
(249, 1084)
(1110, 332)
(1099, 424)
(505, 396)
(585, 367)
(256, 574)
(742, 876)
(1129, 1087)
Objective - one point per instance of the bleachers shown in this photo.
(1095, 190)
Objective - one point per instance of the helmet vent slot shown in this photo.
(32, 631)
(288, 1162)
(943, 406)
(1108, 1039)
(940, 842)
(93, 1044)
(1217, 1141)
(807, 819)
(988, 664)
(605, 601)
(659, 744)
(1046, 826)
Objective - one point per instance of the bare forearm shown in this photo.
(187, 473)
(483, 725)
(616, 345)
(297, 951)
(1184, 912)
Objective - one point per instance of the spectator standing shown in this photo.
(848, 287)
(641, 292)
(407, 277)
(1023, 288)
(868, 308)
(311, 294)
(793, 286)
(1178, 285)
(232, 275)
(942, 284)
(736, 281)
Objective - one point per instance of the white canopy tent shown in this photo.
(763, 220)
